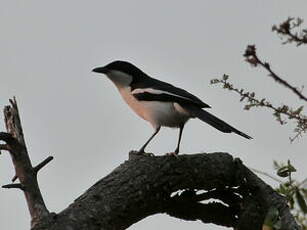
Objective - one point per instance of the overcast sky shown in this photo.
(47, 51)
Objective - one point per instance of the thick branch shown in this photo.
(143, 186)
(26, 174)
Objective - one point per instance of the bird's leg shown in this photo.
(179, 139)
(142, 150)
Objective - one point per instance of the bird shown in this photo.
(160, 103)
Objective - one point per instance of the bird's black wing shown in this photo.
(151, 89)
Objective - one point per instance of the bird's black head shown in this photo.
(121, 66)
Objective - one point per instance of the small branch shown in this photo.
(42, 164)
(252, 58)
(143, 186)
(19, 186)
(278, 112)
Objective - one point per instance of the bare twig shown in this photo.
(19, 186)
(27, 175)
(42, 164)
(38, 167)
(252, 58)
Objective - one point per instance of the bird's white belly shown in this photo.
(157, 113)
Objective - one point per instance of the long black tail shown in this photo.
(214, 121)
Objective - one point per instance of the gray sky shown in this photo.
(48, 49)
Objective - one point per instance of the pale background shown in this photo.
(47, 51)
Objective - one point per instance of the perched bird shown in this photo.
(160, 103)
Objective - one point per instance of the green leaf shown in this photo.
(286, 170)
(283, 171)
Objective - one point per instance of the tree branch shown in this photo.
(42, 164)
(143, 186)
(20, 186)
(15, 144)
(252, 58)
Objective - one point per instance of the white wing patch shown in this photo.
(156, 91)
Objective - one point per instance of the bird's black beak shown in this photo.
(100, 70)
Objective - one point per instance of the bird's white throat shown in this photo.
(120, 79)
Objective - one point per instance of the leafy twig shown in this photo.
(281, 113)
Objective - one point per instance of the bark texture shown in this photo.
(146, 185)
